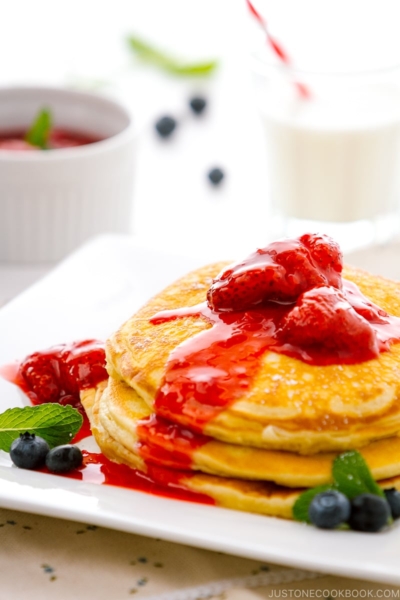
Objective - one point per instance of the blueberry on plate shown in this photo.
(329, 509)
(393, 498)
(216, 175)
(197, 104)
(62, 459)
(29, 451)
(369, 513)
(165, 126)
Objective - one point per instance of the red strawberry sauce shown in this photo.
(168, 444)
(58, 138)
(298, 305)
(59, 373)
(157, 480)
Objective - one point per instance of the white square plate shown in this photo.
(89, 295)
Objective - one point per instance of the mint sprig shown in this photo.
(351, 476)
(55, 423)
(39, 131)
(147, 53)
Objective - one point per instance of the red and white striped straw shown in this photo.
(277, 48)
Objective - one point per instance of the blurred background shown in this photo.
(83, 44)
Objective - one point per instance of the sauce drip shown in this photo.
(168, 444)
(158, 481)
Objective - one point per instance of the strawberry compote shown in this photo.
(288, 298)
(278, 273)
(59, 373)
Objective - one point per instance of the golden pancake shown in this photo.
(119, 410)
(250, 496)
(291, 405)
(90, 400)
(257, 497)
(261, 497)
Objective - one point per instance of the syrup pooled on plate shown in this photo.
(98, 469)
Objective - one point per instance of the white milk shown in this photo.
(334, 158)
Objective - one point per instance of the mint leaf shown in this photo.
(55, 423)
(39, 131)
(151, 55)
(352, 475)
(302, 504)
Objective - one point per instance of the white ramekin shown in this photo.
(52, 201)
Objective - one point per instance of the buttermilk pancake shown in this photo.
(124, 426)
(251, 496)
(263, 497)
(290, 404)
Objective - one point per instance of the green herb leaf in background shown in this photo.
(353, 477)
(39, 131)
(55, 423)
(151, 55)
(302, 504)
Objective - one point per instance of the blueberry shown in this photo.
(329, 509)
(165, 126)
(216, 176)
(197, 104)
(29, 451)
(62, 459)
(369, 513)
(393, 498)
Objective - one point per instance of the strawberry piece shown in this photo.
(323, 319)
(40, 373)
(83, 365)
(364, 307)
(278, 273)
(59, 373)
(326, 255)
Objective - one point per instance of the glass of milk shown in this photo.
(333, 154)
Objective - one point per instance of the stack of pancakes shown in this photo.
(281, 437)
